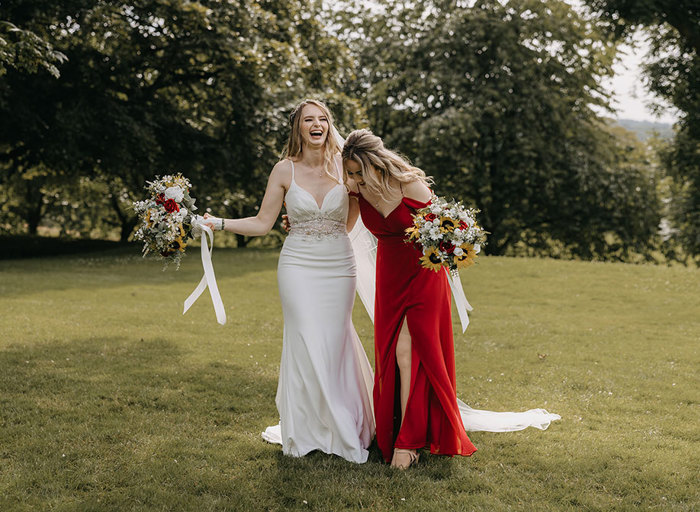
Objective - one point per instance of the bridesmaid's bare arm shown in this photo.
(354, 206)
(353, 213)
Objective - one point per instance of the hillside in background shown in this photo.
(645, 129)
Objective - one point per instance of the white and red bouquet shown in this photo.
(448, 235)
(167, 218)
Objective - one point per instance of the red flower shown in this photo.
(447, 247)
(171, 206)
(463, 225)
(160, 199)
(430, 217)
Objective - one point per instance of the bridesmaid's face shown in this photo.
(314, 126)
(354, 171)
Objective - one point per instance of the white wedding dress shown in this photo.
(324, 394)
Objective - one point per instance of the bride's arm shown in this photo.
(269, 210)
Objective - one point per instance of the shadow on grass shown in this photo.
(124, 266)
(106, 417)
(126, 373)
(24, 246)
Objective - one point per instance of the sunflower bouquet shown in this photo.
(448, 235)
(166, 218)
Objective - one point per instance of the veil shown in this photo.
(364, 245)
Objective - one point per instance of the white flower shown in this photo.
(477, 248)
(457, 232)
(175, 193)
(458, 251)
(435, 234)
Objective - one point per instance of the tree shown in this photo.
(496, 101)
(672, 28)
(25, 51)
(150, 87)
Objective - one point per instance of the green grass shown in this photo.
(110, 399)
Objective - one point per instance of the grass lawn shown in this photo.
(110, 399)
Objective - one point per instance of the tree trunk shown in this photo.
(126, 222)
(241, 241)
(35, 203)
(127, 227)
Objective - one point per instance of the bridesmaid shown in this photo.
(413, 324)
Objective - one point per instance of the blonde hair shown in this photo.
(368, 150)
(294, 145)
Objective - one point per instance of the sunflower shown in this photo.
(149, 223)
(431, 259)
(412, 233)
(179, 243)
(447, 224)
(467, 258)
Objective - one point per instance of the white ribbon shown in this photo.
(208, 279)
(460, 300)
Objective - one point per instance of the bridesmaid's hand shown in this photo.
(285, 223)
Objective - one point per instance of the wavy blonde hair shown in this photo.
(365, 148)
(294, 145)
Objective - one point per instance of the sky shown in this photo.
(631, 97)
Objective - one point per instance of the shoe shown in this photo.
(413, 458)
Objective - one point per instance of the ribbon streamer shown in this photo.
(460, 300)
(208, 279)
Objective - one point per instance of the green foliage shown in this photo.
(111, 400)
(150, 87)
(673, 70)
(26, 52)
(682, 160)
(496, 101)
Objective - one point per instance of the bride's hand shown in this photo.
(285, 223)
(213, 223)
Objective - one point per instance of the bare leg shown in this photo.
(402, 459)
(403, 360)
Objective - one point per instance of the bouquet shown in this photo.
(447, 234)
(166, 218)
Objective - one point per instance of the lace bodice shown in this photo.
(310, 221)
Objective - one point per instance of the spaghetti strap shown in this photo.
(292, 162)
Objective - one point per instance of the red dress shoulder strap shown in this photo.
(415, 204)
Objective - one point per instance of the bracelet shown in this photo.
(223, 224)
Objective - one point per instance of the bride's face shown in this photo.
(314, 126)
(354, 171)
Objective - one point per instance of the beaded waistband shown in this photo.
(318, 229)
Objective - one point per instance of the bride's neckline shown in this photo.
(325, 195)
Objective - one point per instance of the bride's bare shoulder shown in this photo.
(282, 172)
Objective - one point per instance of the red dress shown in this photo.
(406, 289)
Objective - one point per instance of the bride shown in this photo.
(325, 383)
